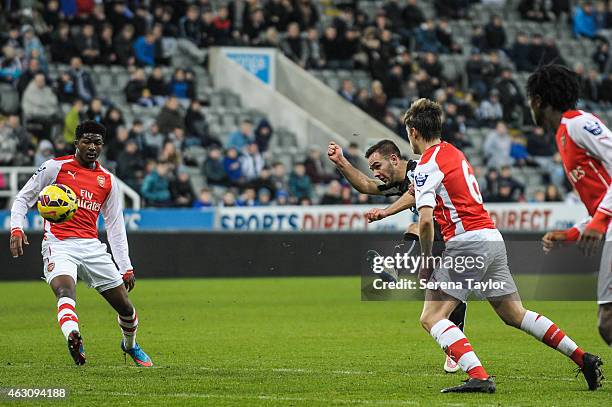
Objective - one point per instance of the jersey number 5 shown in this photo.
(472, 183)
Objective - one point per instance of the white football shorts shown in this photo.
(86, 258)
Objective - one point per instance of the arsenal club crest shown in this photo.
(101, 181)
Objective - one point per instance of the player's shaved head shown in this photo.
(425, 116)
(385, 148)
(90, 127)
(556, 86)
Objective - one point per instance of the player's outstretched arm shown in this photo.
(356, 178)
(406, 201)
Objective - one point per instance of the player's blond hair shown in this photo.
(425, 116)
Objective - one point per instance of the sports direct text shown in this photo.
(411, 263)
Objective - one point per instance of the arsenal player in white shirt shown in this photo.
(445, 187)
(72, 248)
(585, 145)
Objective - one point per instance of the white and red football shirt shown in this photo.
(585, 145)
(96, 190)
(445, 181)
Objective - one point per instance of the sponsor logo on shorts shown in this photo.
(101, 180)
(50, 267)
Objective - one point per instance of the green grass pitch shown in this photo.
(281, 341)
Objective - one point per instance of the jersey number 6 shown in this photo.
(472, 183)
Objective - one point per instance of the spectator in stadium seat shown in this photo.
(119, 15)
(306, 14)
(496, 147)
(8, 143)
(62, 46)
(130, 164)
(278, 13)
(232, 167)
(516, 188)
(490, 110)
(455, 9)
(112, 120)
(333, 194)
(108, 56)
(205, 199)
(294, 46)
(94, 110)
(519, 53)
(251, 162)
(254, 26)
(123, 46)
(83, 83)
(412, 17)
(223, 27)
(248, 197)
(116, 145)
(377, 102)
(157, 86)
(540, 146)
(495, 33)
(263, 135)
(313, 47)
(87, 45)
(144, 49)
(189, 25)
(605, 89)
(44, 152)
(136, 91)
(28, 74)
(182, 85)
(444, 35)
(181, 190)
(590, 86)
(72, 120)
(426, 39)
(169, 116)
(242, 136)
(601, 56)
(584, 24)
(510, 95)
(300, 185)
(25, 147)
(33, 47)
(331, 46)
(552, 193)
(478, 39)
(50, 14)
(264, 181)
(282, 198)
(39, 104)
(539, 11)
(432, 65)
(228, 200)
(264, 197)
(503, 195)
(155, 187)
(196, 126)
(213, 168)
(279, 177)
(10, 65)
(315, 167)
(347, 90)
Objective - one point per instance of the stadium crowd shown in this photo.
(399, 47)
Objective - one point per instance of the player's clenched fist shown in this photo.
(375, 214)
(18, 239)
(334, 152)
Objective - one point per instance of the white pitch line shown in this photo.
(302, 371)
(261, 397)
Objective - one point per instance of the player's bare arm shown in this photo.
(356, 178)
(406, 201)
